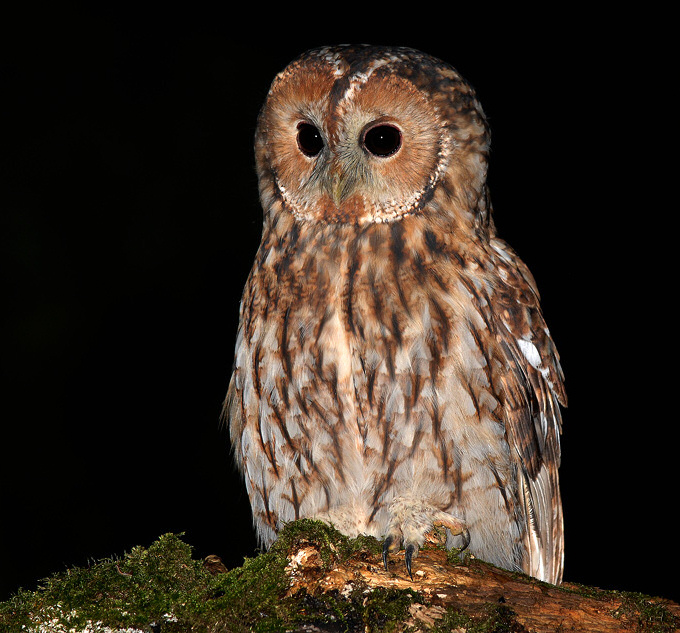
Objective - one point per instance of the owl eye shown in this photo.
(309, 139)
(382, 140)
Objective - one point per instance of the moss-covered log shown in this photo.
(316, 580)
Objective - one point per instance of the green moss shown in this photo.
(247, 598)
(150, 587)
(648, 612)
(585, 591)
(162, 588)
(334, 547)
(650, 615)
(378, 610)
(456, 557)
(145, 586)
(498, 618)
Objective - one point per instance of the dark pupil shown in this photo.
(382, 140)
(309, 139)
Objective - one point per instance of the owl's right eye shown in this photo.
(309, 139)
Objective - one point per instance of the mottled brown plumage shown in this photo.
(393, 370)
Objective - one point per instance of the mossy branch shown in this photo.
(314, 579)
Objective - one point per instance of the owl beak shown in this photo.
(339, 185)
(336, 189)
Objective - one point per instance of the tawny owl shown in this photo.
(393, 371)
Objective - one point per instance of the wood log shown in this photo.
(473, 593)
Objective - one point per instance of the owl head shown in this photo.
(371, 134)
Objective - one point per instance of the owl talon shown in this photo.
(413, 522)
(410, 549)
(386, 551)
(465, 535)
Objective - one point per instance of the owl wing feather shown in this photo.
(533, 387)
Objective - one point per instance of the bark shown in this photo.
(505, 600)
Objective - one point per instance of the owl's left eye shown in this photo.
(382, 140)
(309, 139)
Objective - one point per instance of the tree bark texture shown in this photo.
(473, 587)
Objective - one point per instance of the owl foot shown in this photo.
(414, 522)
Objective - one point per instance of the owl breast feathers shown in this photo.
(393, 370)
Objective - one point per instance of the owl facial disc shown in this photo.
(357, 140)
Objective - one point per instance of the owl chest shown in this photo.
(357, 372)
(336, 341)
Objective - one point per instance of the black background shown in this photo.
(130, 219)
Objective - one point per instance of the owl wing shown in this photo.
(532, 384)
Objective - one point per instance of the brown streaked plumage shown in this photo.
(393, 370)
